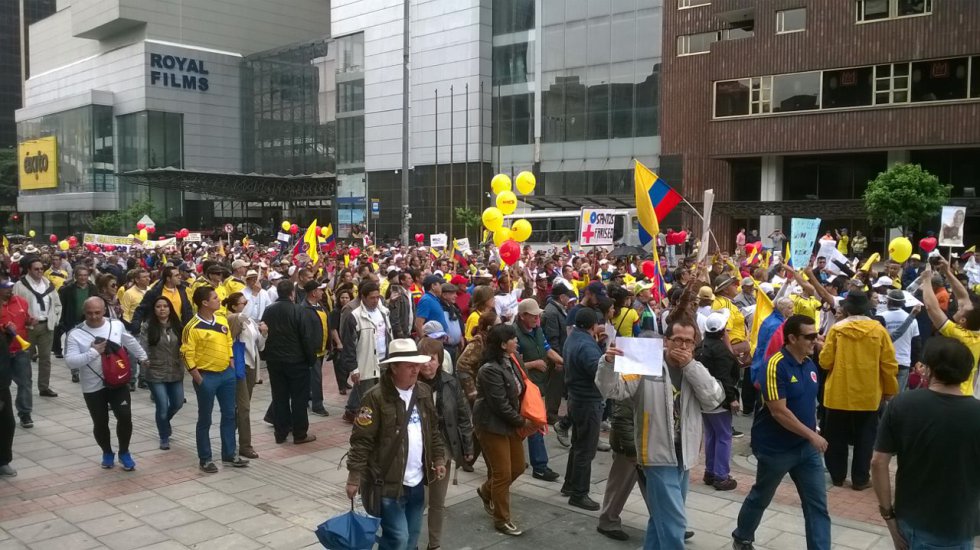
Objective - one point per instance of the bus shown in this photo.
(550, 228)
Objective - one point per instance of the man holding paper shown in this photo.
(677, 397)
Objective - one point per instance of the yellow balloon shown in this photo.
(500, 183)
(507, 202)
(31, 233)
(130, 236)
(63, 245)
(526, 182)
(493, 218)
(900, 249)
(501, 235)
(521, 230)
(285, 225)
(143, 234)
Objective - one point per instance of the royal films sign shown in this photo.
(37, 161)
(174, 71)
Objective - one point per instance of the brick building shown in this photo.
(788, 107)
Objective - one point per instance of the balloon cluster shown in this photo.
(182, 233)
(506, 238)
(292, 228)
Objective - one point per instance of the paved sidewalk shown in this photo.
(62, 500)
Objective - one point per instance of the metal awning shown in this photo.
(577, 202)
(237, 186)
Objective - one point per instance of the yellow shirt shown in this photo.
(207, 345)
(56, 276)
(130, 301)
(471, 323)
(970, 339)
(842, 244)
(174, 297)
(624, 321)
(736, 321)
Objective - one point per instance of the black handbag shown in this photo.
(372, 482)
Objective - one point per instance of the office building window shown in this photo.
(513, 117)
(878, 10)
(350, 140)
(737, 33)
(510, 64)
(940, 80)
(847, 88)
(681, 4)
(795, 92)
(788, 21)
(891, 84)
(512, 16)
(975, 77)
(761, 95)
(691, 44)
(732, 98)
(350, 96)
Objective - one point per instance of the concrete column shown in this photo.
(771, 189)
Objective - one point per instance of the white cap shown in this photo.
(883, 281)
(275, 276)
(767, 288)
(716, 322)
(292, 270)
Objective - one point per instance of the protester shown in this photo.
(163, 371)
(366, 336)
(965, 324)
(45, 313)
(84, 350)
(313, 306)
(15, 318)
(904, 333)
(937, 485)
(536, 358)
(396, 432)
(248, 337)
(715, 355)
(206, 348)
(554, 323)
(7, 423)
(342, 297)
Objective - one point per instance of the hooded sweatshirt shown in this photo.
(860, 360)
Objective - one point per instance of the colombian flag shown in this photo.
(659, 287)
(458, 256)
(654, 200)
(434, 253)
(308, 245)
(329, 241)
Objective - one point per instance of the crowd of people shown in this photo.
(436, 357)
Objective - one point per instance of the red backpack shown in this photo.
(116, 369)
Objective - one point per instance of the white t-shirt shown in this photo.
(380, 338)
(903, 346)
(413, 466)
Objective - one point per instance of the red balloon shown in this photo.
(294, 229)
(749, 247)
(649, 269)
(510, 252)
(419, 237)
(140, 226)
(53, 238)
(354, 252)
(928, 244)
(110, 247)
(73, 241)
(151, 229)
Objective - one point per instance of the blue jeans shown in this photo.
(401, 519)
(903, 378)
(168, 398)
(537, 453)
(21, 374)
(805, 467)
(666, 493)
(923, 540)
(221, 385)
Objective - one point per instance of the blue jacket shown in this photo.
(766, 330)
(581, 355)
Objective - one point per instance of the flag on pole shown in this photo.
(329, 241)
(433, 253)
(6, 245)
(309, 246)
(458, 255)
(568, 247)
(763, 309)
(654, 200)
(659, 289)
(787, 258)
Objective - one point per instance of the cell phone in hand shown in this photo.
(99, 339)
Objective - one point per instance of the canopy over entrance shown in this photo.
(236, 186)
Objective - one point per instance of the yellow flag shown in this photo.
(763, 309)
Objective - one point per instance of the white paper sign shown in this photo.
(951, 233)
(597, 227)
(709, 200)
(284, 237)
(463, 245)
(803, 235)
(193, 238)
(643, 356)
(439, 240)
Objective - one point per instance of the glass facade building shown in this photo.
(10, 91)
(151, 139)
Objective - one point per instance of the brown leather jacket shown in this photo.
(468, 365)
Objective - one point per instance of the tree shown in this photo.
(123, 220)
(469, 218)
(904, 197)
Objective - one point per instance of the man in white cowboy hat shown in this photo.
(398, 414)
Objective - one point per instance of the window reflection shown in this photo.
(795, 92)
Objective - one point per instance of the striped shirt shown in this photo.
(796, 383)
(207, 344)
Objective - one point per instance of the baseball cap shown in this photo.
(747, 281)
(458, 280)
(275, 276)
(528, 306)
(6, 284)
(310, 286)
(187, 267)
(433, 329)
(432, 280)
(561, 289)
(238, 264)
(596, 288)
(585, 318)
(767, 288)
(705, 293)
(716, 322)
(251, 273)
(391, 268)
(882, 281)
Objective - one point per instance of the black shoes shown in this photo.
(209, 468)
(615, 534)
(741, 544)
(736, 434)
(26, 422)
(546, 475)
(47, 393)
(585, 503)
(237, 462)
(321, 412)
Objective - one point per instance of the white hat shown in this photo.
(433, 329)
(404, 350)
(15, 257)
(275, 276)
(239, 264)
(251, 273)
(767, 288)
(883, 281)
(30, 249)
(292, 270)
(716, 322)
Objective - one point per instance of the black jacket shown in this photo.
(498, 403)
(145, 310)
(622, 438)
(70, 316)
(554, 322)
(293, 333)
(581, 354)
(454, 416)
(718, 359)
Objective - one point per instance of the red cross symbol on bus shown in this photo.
(588, 234)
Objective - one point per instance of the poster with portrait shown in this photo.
(951, 231)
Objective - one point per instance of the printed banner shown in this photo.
(803, 235)
(153, 245)
(439, 240)
(95, 238)
(597, 227)
(463, 245)
(193, 238)
(951, 234)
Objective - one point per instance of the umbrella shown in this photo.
(349, 531)
(628, 250)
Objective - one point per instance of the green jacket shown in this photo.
(379, 421)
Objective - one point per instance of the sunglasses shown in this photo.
(811, 337)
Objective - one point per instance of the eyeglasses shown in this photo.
(683, 342)
(811, 337)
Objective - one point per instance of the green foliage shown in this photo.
(904, 196)
(468, 217)
(123, 221)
